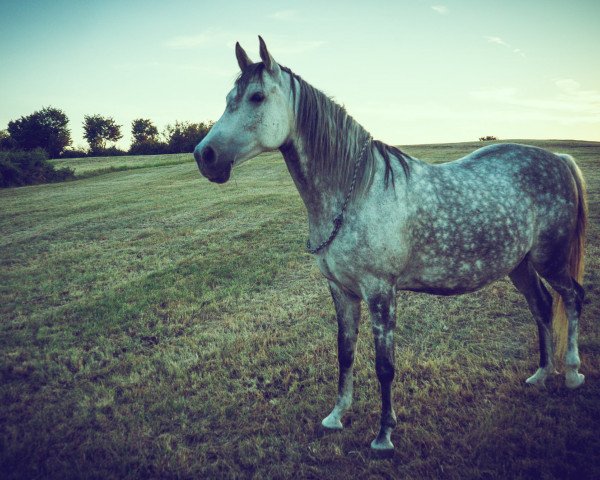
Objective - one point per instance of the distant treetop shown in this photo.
(46, 128)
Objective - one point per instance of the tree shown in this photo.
(6, 141)
(98, 130)
(143, 130)
(184, 136)
(46, 128)
(145, 138)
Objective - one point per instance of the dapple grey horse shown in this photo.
(382, 221)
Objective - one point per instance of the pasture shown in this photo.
(155, 325)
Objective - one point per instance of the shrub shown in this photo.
(74, 153)
(20, 167)
(487, 138)
(184, 136)
(108, 152)
(46, 128)
(148, 147)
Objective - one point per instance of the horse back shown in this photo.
(474, 219)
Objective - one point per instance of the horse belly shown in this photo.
(454, 277)
(466, 254)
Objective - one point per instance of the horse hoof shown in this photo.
(538, 379)
(574, 380)
(381, 453)
(332, 423)
(536, 382)
(382, 448)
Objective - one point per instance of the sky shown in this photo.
(410, 71)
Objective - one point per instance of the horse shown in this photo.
(381, 220)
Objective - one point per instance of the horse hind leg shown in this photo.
(574, 379)
(566, 279)
(572, 295)
(527, 281)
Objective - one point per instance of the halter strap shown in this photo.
(339, 219)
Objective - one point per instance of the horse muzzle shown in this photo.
(214, 169)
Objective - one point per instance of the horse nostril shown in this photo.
(209, 155)
(197, 155)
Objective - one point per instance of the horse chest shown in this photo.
(359, 263)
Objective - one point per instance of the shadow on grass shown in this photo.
(533, 433)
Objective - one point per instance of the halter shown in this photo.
(339, 219)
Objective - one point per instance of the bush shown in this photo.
(18, 168)
(184, 136)
(487, 138)
(108, 152)
(73, 153)
(148, 147)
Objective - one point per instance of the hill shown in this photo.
(157, 325)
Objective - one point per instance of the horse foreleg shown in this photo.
(383, 318)
(347, 308)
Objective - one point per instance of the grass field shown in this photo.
(155, 325)
(88, 167)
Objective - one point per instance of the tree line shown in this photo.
(48, 129)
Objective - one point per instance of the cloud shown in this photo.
(568, 104)
(299, 47)
(284, 15)
(570, 90)
(280, 45)
(204, 69)
(501, 94)
(500, 41)
(441, 9)
(497, 41)
(189, 41)
(568, 85)
(208, 37)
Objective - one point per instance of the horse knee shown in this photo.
(579, 296)
(345, 356)
(385, 371)
(545, 304)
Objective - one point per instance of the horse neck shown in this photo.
(321, 154)
(319, 199)
(322, 197)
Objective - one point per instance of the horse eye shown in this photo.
(257, 97)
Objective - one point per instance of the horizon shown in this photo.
(412, 73)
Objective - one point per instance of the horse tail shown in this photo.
(575, 260)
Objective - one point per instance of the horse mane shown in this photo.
(332, 139)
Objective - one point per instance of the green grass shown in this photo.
(92, 166)
(156, 325)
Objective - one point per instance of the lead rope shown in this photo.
(339, 219)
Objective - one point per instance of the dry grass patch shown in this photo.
(155, 325)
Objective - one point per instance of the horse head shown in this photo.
(258, 117)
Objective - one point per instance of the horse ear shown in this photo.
(265, 56)
(242, 57)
